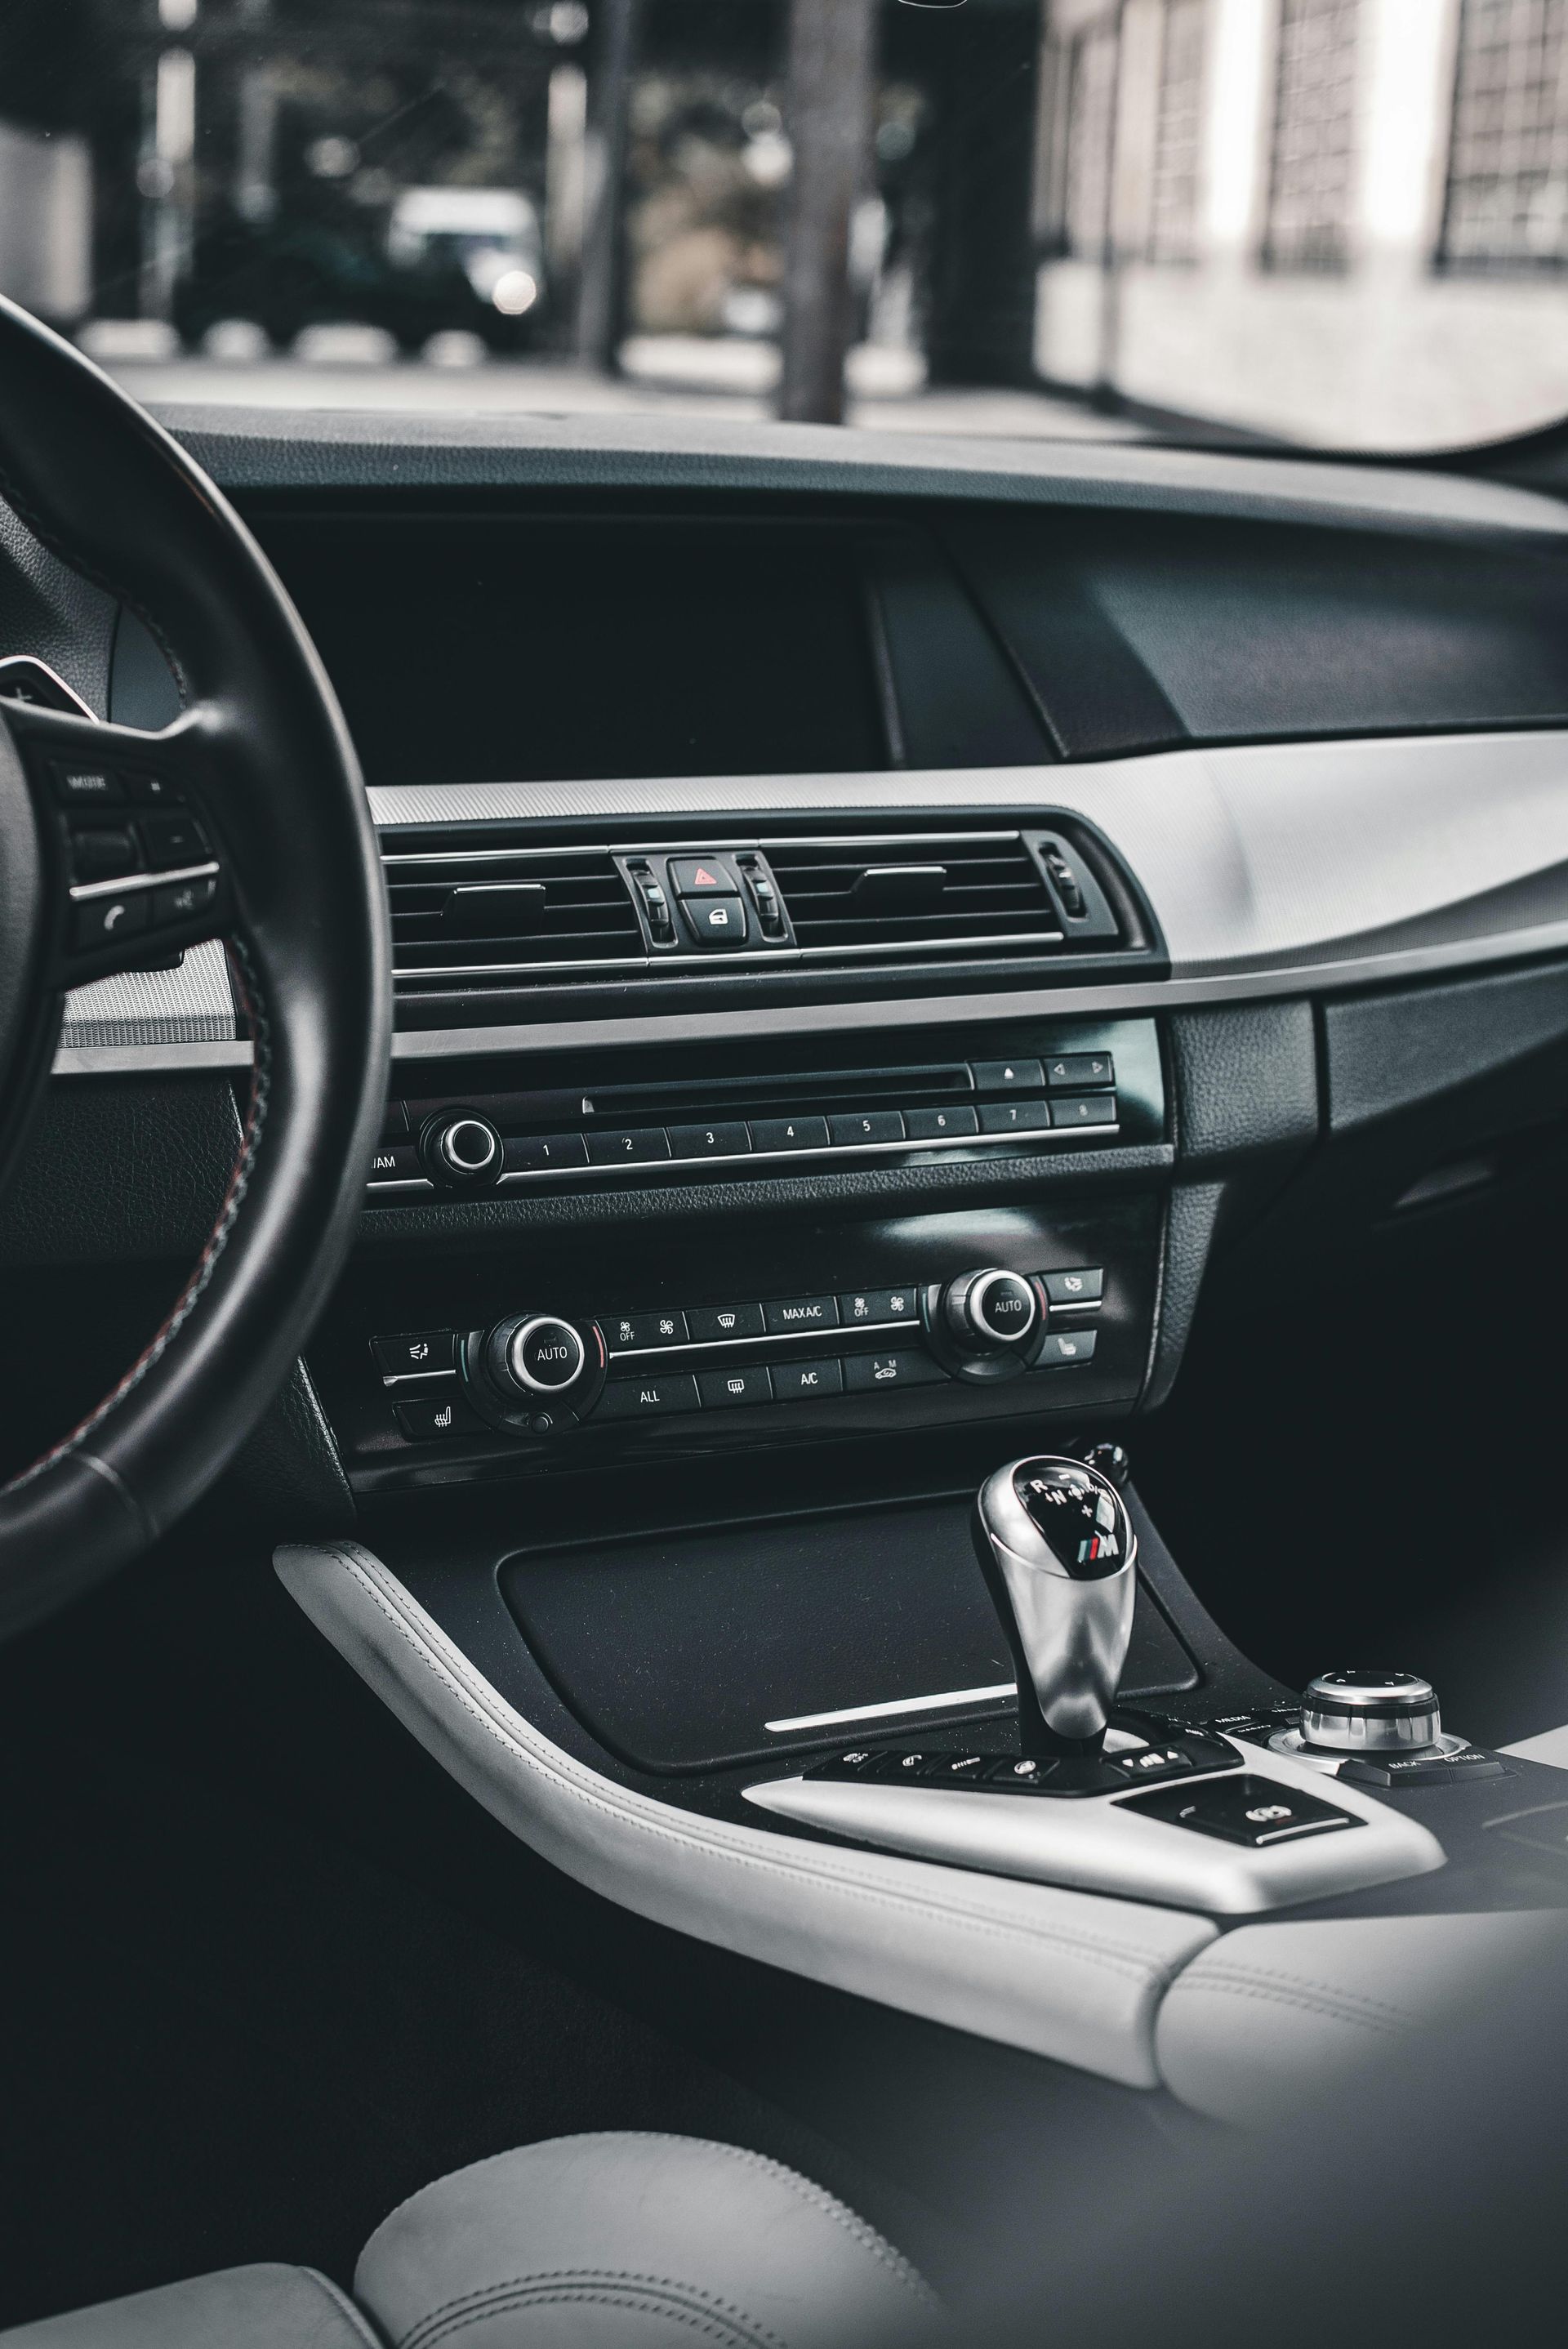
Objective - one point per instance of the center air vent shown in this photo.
(493, 915)
(870, 893)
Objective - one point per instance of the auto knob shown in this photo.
(987, 1324)
(1057, 1546)
(1370, 1711)
(464, 1148)
(536, 1372)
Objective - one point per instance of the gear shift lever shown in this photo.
(1057, 1547)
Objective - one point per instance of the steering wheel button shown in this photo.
(183, 900)
(104, 921)
(103, 851)
(173, 840)
(87, 787)
(150, 792)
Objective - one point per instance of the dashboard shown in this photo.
(825, 867)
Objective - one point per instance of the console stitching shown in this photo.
(341, 2304)
(649, 2302)
(1390, 2026)
(467, 2308)
(1233, 1972)
(803, 2189)
(995, 1927)
(217, 1241)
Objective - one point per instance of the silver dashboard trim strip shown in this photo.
(896, 1705)
(1274, 869)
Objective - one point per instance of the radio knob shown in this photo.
(464, 1149)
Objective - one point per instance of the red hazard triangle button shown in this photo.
(695, 878)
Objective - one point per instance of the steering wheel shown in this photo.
(245, 820)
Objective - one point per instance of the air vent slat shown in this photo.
(488, 919)
(977, 889)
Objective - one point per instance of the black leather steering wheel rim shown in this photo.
(263, 750)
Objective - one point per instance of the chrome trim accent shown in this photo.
(689, 958)
(182, 1019)
(413, 1378)
(717, 847)
(131, 883)
(1033, 1138)
(31, 660)
(407, 1183)
(1097, 1844)
(775, 1338)
(938, 1704)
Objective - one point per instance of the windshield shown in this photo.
(1341, 223)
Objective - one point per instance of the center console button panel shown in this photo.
(714, 1110)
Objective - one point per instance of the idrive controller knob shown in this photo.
(537, 1372)
(987, 1325)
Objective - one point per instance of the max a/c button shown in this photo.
(790, 1313)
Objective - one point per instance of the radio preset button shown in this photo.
(543, 1153)
(862, 1126)
(940, 1124)
(710, 1140)
(789, 1133)
(1080, 1069)
(1084, 1109)
(628, 1148)
(1014, 1116)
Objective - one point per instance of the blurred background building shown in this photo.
(1340, 220)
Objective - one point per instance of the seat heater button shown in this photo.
(545, 1154)
(715, 1325)
(648, 1398)
(1066, 1290)
(789, 1133)
(801, 1381)
(1080, 1069)
(878, 1373)
(710, 1140)
(1007, 1076)
(1014, 1116)
(640, 1333)
(104, 921)
(940, 1124)
(1084, 1109)
(628, 1149)
(872, 1306)
(788, 1314)
(1064, 1348)
(862, 1126)
(1257, 1812)
(439, 1416)
(415, 1355)
(723, 1389)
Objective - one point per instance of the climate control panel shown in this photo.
(542, 1373)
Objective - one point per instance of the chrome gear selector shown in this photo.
(1058, 1549)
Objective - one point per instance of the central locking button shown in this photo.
(716, 921)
